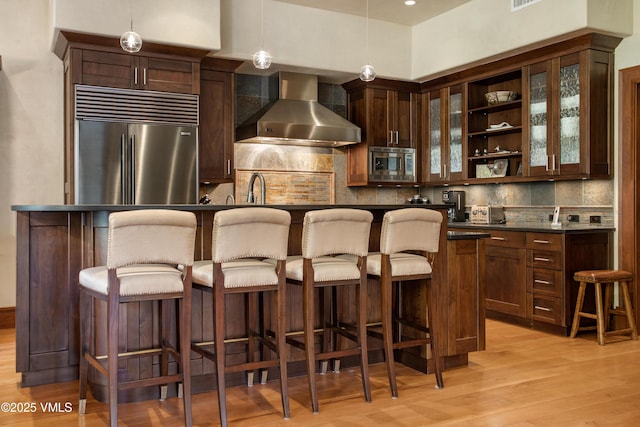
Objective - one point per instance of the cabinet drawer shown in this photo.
(544, 259)
(510, 239)
(545, 281)
(547, 309)
(544, 241)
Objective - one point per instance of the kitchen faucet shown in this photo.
(263, 189)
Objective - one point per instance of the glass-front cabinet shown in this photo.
(568, 113)
(444, 127)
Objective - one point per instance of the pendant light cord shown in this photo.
(262, 25)
(131, 12)
(368, 58)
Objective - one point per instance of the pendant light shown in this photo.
(131, 41)
(262, 58)
(367, 72)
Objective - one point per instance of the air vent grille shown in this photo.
(135, 106)
(519, 4)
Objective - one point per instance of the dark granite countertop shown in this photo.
(533, 227)
(91, 208)
(467, 235)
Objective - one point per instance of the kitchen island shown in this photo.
(55, 242)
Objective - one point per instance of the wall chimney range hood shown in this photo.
(297, 118)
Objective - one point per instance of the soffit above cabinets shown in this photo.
(385, 10)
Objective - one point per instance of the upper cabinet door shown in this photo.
(126, 71)
(569, 115)
(405, 115)
(444, 134)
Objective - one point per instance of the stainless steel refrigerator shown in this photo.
(125, 163)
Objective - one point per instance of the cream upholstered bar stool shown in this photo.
(326, 233)
(409, 241)
(249, 252)
(144, 250)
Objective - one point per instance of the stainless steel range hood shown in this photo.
(297, 118)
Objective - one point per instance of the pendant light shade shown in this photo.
(131, 41)
(262, 58)
(367, 72)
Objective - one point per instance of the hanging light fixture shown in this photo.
(367, 72)
(262, 58)
(131, 41)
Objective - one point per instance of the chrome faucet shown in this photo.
(230, 197)
(263, 189)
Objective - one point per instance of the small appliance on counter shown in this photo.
(418, 199)
(456, 199)
(486, 214)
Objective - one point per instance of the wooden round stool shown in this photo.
(608, 278)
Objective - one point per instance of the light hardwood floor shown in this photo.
(524, 378)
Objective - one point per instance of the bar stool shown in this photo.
(241, 240)
(326, 233)
(409, 241)
(144, 249)
(608, 278)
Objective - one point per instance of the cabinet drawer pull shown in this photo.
(497, 238)
(537, 307)
(544, 242)
(543, 282)
(541, 259)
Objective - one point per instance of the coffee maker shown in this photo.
(457, 202)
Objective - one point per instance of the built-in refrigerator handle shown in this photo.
(123, 160)
(132, 171)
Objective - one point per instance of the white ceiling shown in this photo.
(385, 10)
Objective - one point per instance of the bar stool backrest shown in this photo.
(336, 231)
(410, 229)
(151, 236)
(250, 233)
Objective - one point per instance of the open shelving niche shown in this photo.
(494, 144)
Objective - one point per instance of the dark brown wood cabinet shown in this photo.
(99, 61)
(560, 126)
(506, 282)
(529, 274)
(127, 71)
(387, 111)
(442, 150)
(216, 132)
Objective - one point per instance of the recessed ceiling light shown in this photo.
(409, 2)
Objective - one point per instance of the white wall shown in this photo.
(483, 28)
(319, 39)
(192, 23)
(31, 123)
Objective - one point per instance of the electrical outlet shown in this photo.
(573, 218)
(595, 219)
(550, 217)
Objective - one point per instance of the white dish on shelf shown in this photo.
(503, 125)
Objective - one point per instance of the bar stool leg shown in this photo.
(435, 352)
(280, 301)
(387, 331)
(362, 337)
(608, 294)
(86, 329)
(309, 340)
(576, 315)
(218, 337)
(113, 313)
(599, 314)
(628, 309)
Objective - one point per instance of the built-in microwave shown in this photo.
(392, 164)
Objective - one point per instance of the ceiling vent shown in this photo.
(520, 4)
